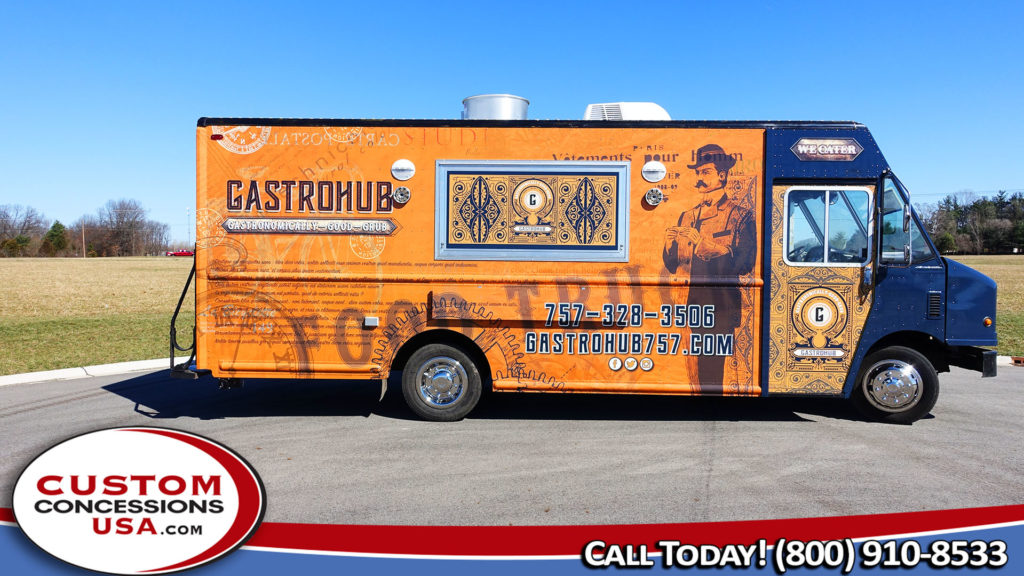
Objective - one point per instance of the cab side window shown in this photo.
(894, 239)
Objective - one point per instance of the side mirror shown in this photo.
(906, 218)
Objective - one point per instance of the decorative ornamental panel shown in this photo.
(525, 210)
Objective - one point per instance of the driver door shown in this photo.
(822, 242)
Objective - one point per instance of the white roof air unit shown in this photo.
(625, 111)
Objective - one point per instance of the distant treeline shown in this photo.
(119, 228)
(962, 223)
(967, 224)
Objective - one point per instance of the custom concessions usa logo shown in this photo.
(139, 501)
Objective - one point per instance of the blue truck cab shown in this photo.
(925, 312)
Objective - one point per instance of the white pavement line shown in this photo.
(87, 371)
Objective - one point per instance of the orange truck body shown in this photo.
(300, 241)
(651, 257)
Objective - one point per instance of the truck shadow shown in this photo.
(158, 396)
(527, 406)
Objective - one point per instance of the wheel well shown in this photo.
(441, 336)
(931, 347)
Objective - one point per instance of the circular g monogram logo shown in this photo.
(532, 200)
(819, 315)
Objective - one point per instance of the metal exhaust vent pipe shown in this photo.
(494, 107)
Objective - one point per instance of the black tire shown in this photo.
(454, 390)
(911, 392)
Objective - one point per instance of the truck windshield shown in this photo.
(894, 239)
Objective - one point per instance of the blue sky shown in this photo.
(99, 100)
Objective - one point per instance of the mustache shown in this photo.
(700, 184)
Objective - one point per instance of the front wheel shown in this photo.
(896, 384)
(441, 383)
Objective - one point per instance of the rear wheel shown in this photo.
(896, 384)
(441, 383)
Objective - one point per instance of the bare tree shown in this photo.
(16, 220)
(119, 228)
(21, 229)
(155, 237)
(124, 221)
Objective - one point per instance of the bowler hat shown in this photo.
(713, 153)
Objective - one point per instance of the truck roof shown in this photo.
(452, 123)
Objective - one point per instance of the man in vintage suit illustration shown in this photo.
(714, 242)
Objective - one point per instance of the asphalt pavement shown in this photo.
(333, 452)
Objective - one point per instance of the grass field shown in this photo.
(61, 313)
(66, 312)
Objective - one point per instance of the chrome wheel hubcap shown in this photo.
(441, 380)
(893, 385)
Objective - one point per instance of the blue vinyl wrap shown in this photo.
(972, 299)
(901, 293)
(783, 166)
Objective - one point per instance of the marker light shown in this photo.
(403, 169)
(653, 171)
(216, 136)
(987, 321)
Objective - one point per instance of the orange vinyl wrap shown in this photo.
(300, 246)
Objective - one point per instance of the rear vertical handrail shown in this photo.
(174, 319)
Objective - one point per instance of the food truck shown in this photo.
(623, 253)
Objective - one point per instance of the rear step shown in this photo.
(186, 370)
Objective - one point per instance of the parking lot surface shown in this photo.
(333, 452)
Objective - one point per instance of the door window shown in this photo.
(836, 217)
(806, 209)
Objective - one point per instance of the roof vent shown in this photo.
(494, 107)
(625, 111)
